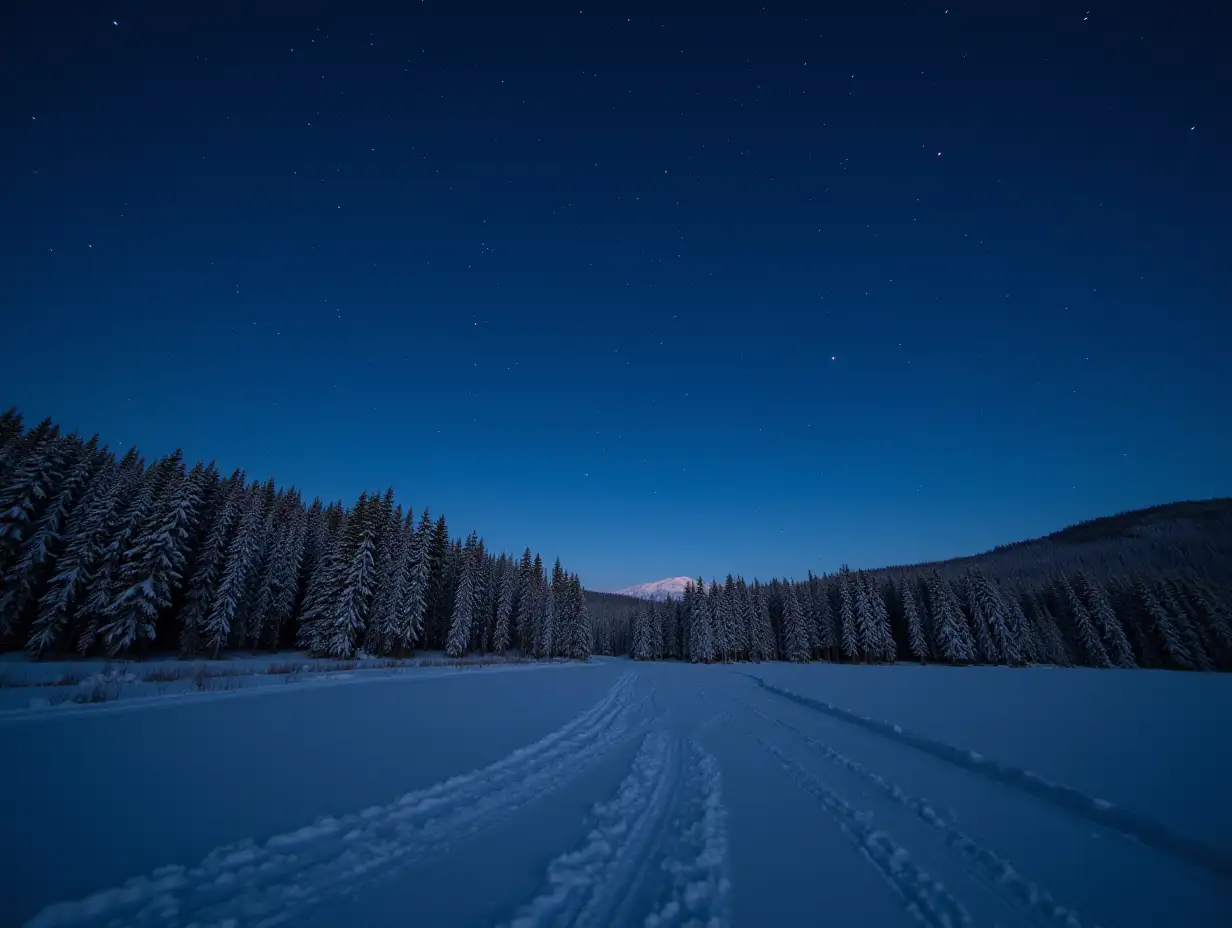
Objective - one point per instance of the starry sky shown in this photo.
(749, 287)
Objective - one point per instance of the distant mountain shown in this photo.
(659, 590)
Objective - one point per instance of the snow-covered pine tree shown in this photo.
(1111, 632)
(352, 605)
(1083, 625)
(866, 620)
(952, 636)
(989, 613)
(390, 559)
(1213, 617)
(45, 542)
(1165, 626)
(414, 599)
(1055, 647)
(887, 648)
(849, 633)
(440, 587)
(282, 578)
(523, 613)
(581, 638)
(796, 642)
(765, 627)
(917, 641)
(23, 501)
(701, 628)
(502, 632)
(1166, 593)
(243, 559)
(210, 560)
(464, 602)
(140, 489)
(154, 567)
(82, 549)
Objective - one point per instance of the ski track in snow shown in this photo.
(927, 899)
(663, 830)
(987, 866)
(1100, 811)
(267, 884)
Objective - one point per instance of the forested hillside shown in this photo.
(1141, 589)
(107, 555)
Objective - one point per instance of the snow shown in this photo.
(621, 793)
(659, 590)
(95, 685)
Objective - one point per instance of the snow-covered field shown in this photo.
(631, 794)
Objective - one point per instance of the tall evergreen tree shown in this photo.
(464, 602)
(1083, 625)
(1111, 632)
(796, 641)
(242, 560)
(916, 639)
(155, 564)
(952, 636)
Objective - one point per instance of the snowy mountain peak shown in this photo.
(659, 590)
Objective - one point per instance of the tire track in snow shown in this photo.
(1117, 818)
(658, 846)
(584, 886)
(985, 864)
(699, 890)
(266, 884)
(927, 899)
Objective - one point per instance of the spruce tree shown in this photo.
(155, 565)
(1111, 632)
(464, 602)
(952, 636)
(916, 639)
(242, 561)
(848, 631)
(502, 633)
(1084, 626)
(211, 559)
(796, 641)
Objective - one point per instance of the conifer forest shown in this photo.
(115, 555)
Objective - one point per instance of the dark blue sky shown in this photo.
(684, 294)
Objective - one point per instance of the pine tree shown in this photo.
(796, 642)
(524, 623)
(952, 636)
(502, 634)
(413, 601)
(282, 580)
(34, 483)
(989, 612)
(83, 536)
(141, 489)
(848, 630)
(581, 638)
(358, 573)
(242, 560)
(887, 648)
(210, 561)
(1111, 632)
(41, 549)
(1165, 626)
(916, 640)
(464, 602)
(1088, 634)
(155, 564)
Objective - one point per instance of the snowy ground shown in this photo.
(34, 686)
(632, 794)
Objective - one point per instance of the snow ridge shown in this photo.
(1100, 811)
(995, 870)
(927, 899)
(265, 884)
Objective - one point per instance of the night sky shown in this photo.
(674, 294)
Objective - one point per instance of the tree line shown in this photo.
(102, 554)
(1107, 605)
